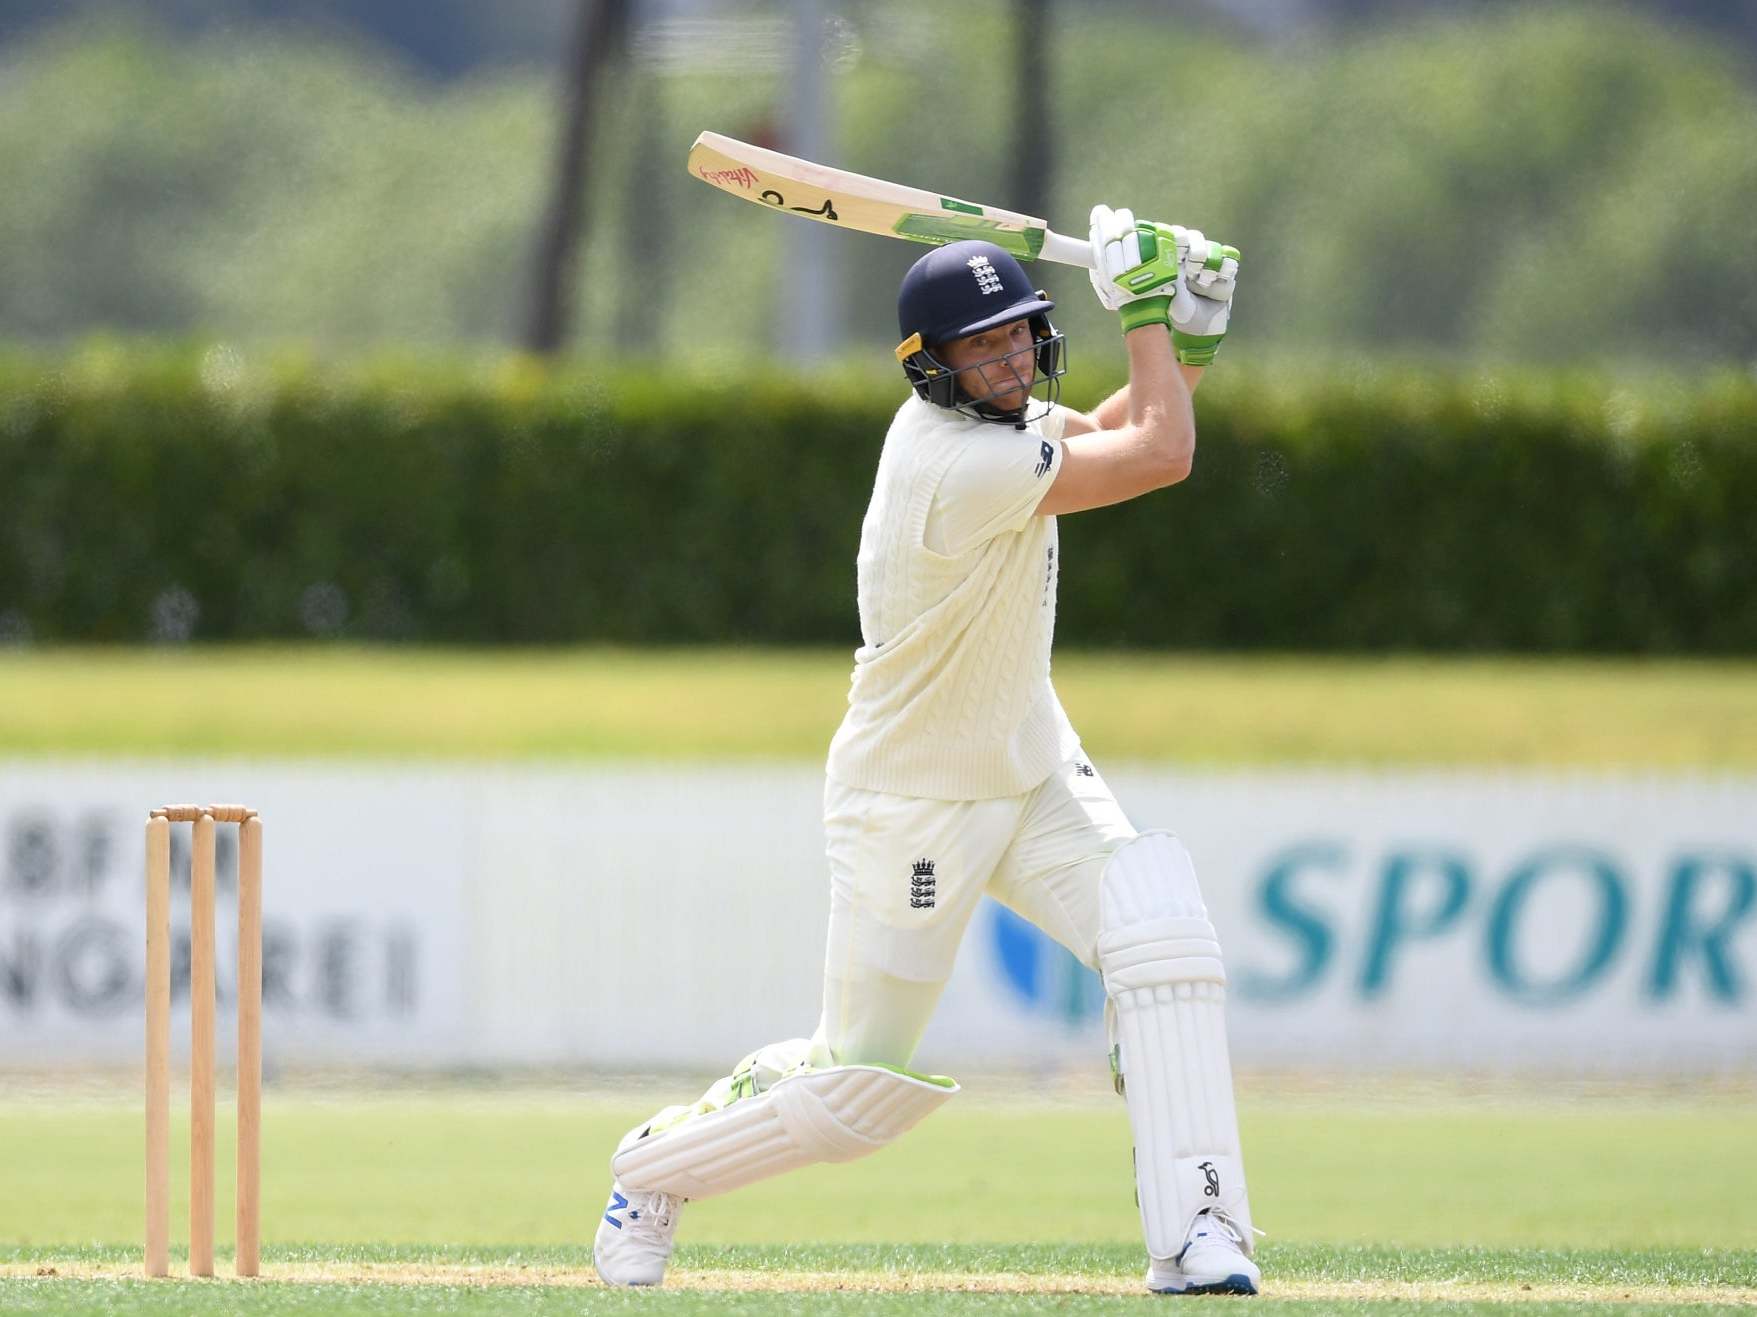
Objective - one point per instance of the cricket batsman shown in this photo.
(956, 772)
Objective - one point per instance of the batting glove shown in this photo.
(1199, 312)
(1135, 267)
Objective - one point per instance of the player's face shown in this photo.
(997, 364)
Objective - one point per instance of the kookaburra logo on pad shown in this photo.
(987, 277)
(1212, 1188)
(921, 886)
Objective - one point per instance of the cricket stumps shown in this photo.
(205, 819)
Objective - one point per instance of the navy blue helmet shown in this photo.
(964, 288)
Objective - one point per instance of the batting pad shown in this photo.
(832, 1115)
(1162, 972)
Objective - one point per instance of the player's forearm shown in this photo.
(1113, 412)
(1158, 396)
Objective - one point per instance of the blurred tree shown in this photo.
(1646, 272)
(295, 190)
(600, 36)
(1475, 187)
(444, 38)
(810, 327)
(448, 38)
(646, 226)
(1388, 189)
(1032, 109)
(1735, 19)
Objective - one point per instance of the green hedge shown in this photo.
(173, 495)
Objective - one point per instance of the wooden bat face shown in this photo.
(854, 201)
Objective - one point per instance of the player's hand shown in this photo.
(1203, 305)
(1135, 266)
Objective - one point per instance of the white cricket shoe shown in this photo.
(635, 1237)
(1211, 1262)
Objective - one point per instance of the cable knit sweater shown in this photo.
(951, 697)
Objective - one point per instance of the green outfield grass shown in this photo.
(1388, 1200)
(785, 704)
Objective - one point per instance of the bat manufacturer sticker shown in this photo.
(1026, 244)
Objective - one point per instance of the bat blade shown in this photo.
(871, 205)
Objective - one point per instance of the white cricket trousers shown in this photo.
(907, 873)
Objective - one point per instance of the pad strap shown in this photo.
(1167, 950)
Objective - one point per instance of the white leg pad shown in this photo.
(833, 1115)
(1167, 991)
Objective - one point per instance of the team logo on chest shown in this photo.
(921, 886)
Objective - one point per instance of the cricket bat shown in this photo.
(871, 205)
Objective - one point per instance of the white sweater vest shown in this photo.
(951, 697)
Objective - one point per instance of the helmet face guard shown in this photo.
(936, 382)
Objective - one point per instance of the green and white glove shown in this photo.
(1199, 312)
(1135, 267)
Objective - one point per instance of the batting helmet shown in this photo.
(964, 288)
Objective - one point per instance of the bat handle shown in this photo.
(1066, 251)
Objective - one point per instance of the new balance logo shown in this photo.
(617, 1203)
(1047, 459)
(1084, 770)
(988, 279)
(921, 886)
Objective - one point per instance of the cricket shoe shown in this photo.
(1212, 1262)
(635, 1237)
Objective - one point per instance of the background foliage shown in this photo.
(176, 496)
(1548, 183)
